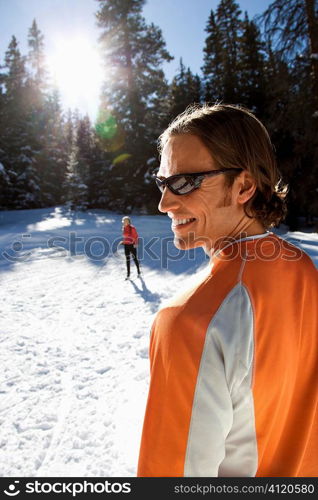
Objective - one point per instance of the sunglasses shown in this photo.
(186, 183)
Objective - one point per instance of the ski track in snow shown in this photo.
(75, 368)
(70, 348)
(74, 355)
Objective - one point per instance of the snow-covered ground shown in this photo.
(74, 337)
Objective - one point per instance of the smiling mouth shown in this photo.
(181, 223)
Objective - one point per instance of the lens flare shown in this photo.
(110, 134)
(121, 158)
(107, 129)
(77, 70)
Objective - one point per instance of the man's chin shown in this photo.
(181, 243)
(193, 240)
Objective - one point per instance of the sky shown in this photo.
(71, 38)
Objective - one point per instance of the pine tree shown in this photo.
(132, 94)
(304, 180)
(185, 89)
(213, 68)
(88, 159)
(36, 56)
(31, 143)
(292, 25)
(37, 115)
(75, 189)
(251, 68)
(52, 154)
(5, 184)
(229, 23)
(18, 159)
(15, 77)
(45, 123)
(84, 145)
(69, 131)
(221, 53)
(292, 28)
(100, 181)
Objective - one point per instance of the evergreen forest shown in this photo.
(51, 156)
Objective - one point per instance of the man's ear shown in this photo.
(246, 187)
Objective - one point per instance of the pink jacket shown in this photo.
(130, 235)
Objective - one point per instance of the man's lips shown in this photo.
(182, 223)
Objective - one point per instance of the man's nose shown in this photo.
(169, 201)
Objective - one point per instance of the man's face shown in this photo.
(209, 211)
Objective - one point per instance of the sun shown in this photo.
(76, 69)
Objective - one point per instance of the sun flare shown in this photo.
(76, 69)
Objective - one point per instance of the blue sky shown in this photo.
(182, 23)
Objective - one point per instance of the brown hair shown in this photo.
(236, 138)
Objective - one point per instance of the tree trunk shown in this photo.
(312, 22)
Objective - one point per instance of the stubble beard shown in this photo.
(227, 199)
(192, 241)
(182, 243)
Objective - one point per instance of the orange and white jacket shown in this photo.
(234, 369)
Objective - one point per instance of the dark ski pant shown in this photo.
(130, 249)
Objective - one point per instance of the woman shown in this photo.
(130, 242)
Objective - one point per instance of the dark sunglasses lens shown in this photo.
(160, 184)
(181, 185)
(178, 185)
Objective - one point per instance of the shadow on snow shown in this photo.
(57, 232)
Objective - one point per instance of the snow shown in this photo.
(75, 337)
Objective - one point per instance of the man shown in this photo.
(234, 360)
